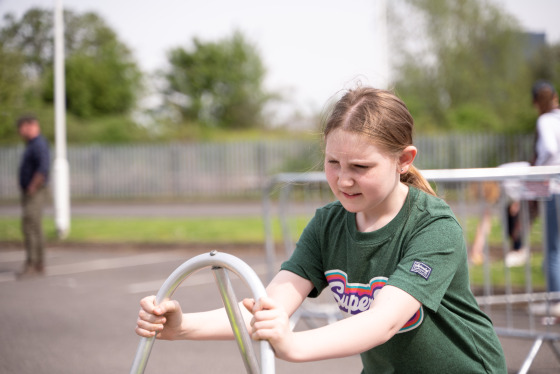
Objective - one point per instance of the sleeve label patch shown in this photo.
(421, 269)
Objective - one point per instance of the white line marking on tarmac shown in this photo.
(92, 265)
(111, 263)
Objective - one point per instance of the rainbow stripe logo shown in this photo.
(354, 298)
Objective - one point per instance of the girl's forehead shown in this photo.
(342, 138)
(350, 143)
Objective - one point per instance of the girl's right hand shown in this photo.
(165, 319)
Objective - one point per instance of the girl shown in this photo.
(392, 254)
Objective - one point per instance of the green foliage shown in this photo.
(546, 64)
(220, 83)
(11, 90)
(101, 77)
(32, 36)
(472, 74)
(105, 130)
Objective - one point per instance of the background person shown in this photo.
(547, 152)
(490, 193)
(33, 177)
(391, 252)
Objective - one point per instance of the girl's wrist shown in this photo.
(293, 350)
(186, 329)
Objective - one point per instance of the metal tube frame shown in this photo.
(219, 262)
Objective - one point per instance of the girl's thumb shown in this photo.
(249, 304)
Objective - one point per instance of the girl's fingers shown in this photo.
(266, 325)
(141, 324)
(152, 318)
(249, 304)
(146, 329)
(144, 333)
(148, 305)
(266, 314)
(265, 303)
(168, 306)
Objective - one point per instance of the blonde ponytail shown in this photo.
(414, 178)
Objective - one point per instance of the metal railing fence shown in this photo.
(236, 169)
(510, 305)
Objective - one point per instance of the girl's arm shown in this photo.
(390, 310)
(287, 289)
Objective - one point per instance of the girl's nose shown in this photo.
(345, 179)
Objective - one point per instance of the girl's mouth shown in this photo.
(350, 196)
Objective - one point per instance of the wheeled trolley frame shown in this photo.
(219, 262)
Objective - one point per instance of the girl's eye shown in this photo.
(361, 166)
(334, 162)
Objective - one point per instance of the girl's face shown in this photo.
(363, 178)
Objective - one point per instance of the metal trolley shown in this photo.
(219, 263)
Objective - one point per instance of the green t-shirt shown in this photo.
(421, 251)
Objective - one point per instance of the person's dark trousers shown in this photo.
(32, 228)
(552, 259)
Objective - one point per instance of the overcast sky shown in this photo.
(311, 48)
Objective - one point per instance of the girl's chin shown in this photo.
(352, 208)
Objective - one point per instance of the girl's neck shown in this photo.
(375, 220)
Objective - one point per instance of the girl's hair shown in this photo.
(384, 119)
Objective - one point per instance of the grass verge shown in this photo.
(153, 230)
(237, 230)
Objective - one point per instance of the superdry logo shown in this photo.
(421, 269)
(354, 298)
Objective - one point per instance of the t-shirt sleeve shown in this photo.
(430, 261)
(547, 144)
(306, 261)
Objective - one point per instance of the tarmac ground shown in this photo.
(80, 316)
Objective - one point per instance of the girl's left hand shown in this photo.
(271, 322)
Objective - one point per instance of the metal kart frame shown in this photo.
(219, 263)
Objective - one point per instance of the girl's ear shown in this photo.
(406, 158)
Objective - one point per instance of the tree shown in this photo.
(32, 37)
(220, 83)
(546, 64)
(101, 76)
(11, 90)
(472, 74)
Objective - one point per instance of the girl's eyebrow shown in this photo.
(360, 161)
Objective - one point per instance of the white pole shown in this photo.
(383, 45)
(61, 169)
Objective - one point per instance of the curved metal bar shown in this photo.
(212, 259)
